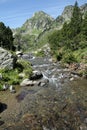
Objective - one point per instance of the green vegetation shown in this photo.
(12, 76)
(40, 53)
(25, 67)
(70, 43)
(25, 42)
(6, 37)
(0, 86)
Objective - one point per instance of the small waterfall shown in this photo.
(52, 80)
(45, 75)
(51, 71)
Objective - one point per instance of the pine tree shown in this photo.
(6, 37)
(76, 21)
(84, 26)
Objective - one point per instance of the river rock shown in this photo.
(19, 53)
(6, 59)
(43, 82)
(5, 87)
(27, 82)
(36, 75)
(83, 127)
(21, 75)
(72, 78)
(12, 89)
(27, 56)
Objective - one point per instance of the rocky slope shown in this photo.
(67, 14)
(37, 24)
(6, 59)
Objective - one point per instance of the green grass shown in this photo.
(12, 76)
(40, 54)
(81, 55)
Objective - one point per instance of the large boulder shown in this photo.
(7, 60)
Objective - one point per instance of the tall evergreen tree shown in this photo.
(6, 37)
(84, 26)
(76, 21)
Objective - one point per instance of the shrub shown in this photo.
(68, 58)
(0, 87)
(59, 56)
(40, 53)
(25, 67)
(10, 76)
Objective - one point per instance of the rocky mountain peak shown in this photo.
(39, 22)
(68, 10)
(67, 13)
(83, 8)
(41, 14)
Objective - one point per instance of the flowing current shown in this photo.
(51, 71)
(71, 91)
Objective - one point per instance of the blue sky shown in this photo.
(15, 12)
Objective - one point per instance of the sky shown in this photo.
(14, 13)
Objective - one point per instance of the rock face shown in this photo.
(83, 8)
(40, 21)
(6, 59)
(36, 24)
(64, 17)
(33, 28)
(67, 14)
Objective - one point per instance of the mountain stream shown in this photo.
(59, 104)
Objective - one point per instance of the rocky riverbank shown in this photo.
(79, 69)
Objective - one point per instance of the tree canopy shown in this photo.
(6, 37)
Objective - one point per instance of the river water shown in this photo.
(60, 104)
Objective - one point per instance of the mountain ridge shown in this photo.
(41, 22)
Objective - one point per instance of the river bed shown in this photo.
(61, 104)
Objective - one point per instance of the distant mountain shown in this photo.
(37, 24)
(66, 15)
(41, 22)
